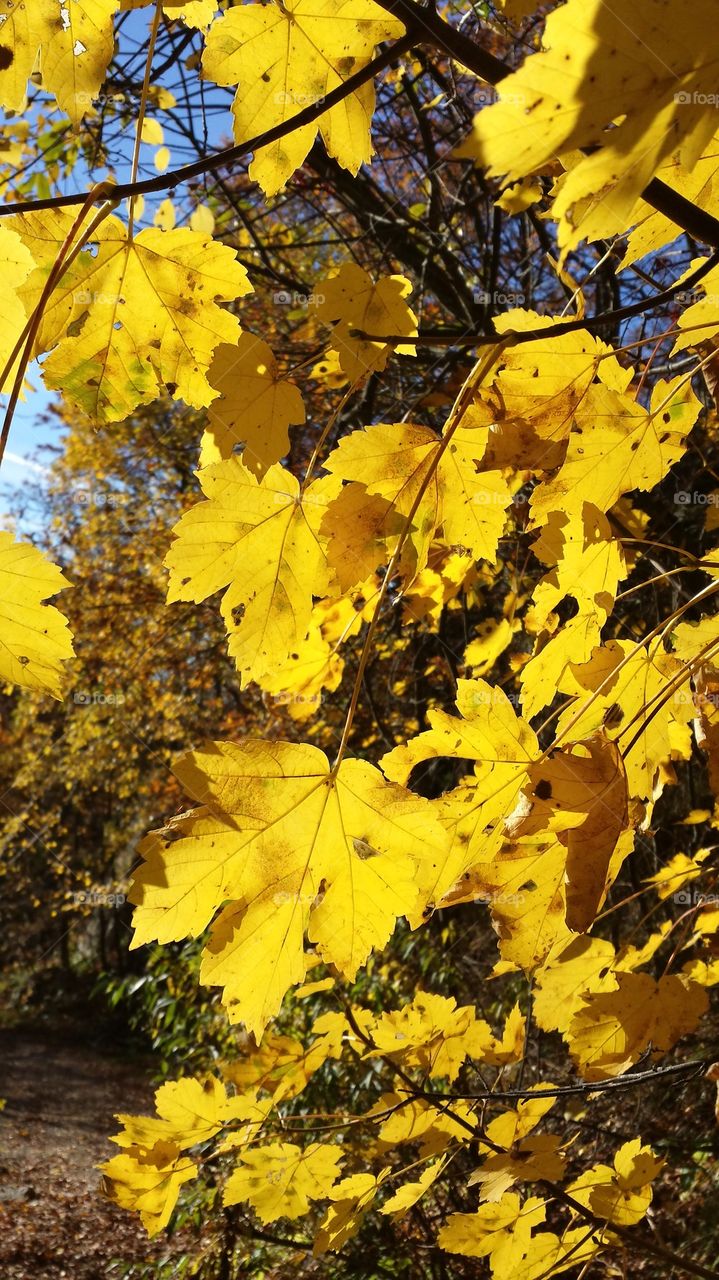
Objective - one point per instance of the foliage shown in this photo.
(453, 617)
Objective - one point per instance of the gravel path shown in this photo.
(61, 1097)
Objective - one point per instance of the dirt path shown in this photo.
(61, 1098)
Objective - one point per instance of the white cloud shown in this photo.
(16, 460)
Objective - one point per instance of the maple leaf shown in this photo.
(412, 1192)
(656, 71)
(284, 57)
(621, 1195)
(35, 638)
(586, 563)
(261, 541)
(392, 461)
(351, 300)
(616, 445)
(493, 1228)
(352, 1198)
(148, 1182)
(500, 744)
(189, 1111)
(430, 1033)
(533, 392)
(17, 265)
(525, 1158)
(624, 688)
(558, 986)
(74, 42)
(418, 1122)
(613, 1028)
(293, 847)
(279, 1180)
(255, 407)
(580, 792)
(139, 313)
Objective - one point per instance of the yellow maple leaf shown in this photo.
(138, 314)
(629, 682)
(74, 45)
(616, 445)
(292, 847)
(613, 1028)
(585, 964)
(587, 563)
(525, 1158)
(412, 1192)
(279, 1180)
(352, 1198)
(255, 406)
(286, 56)
(17, 265)
(351, 300)
(189, 1111)
(35, 638)
(620, 1195)
(490, 1230)
(430, 1033)
(260, 542)
(581, 793)
(148, 1182)
(500, 744)
(533, 392)
(660, 85)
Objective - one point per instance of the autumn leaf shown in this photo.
(280, 1180)
(614, 1028)
(580, 792)
(659, 85)
(352, 1198)
(255, 406)
(139, 314)
(351, 301)
(284, 57)
(493, 1228)
(189, 1111)
(261, 543)
(294, 848)
(35, 638)
(74, 44)
(148, 1182)
(620, 1195)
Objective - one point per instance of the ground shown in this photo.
(61, 1098)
